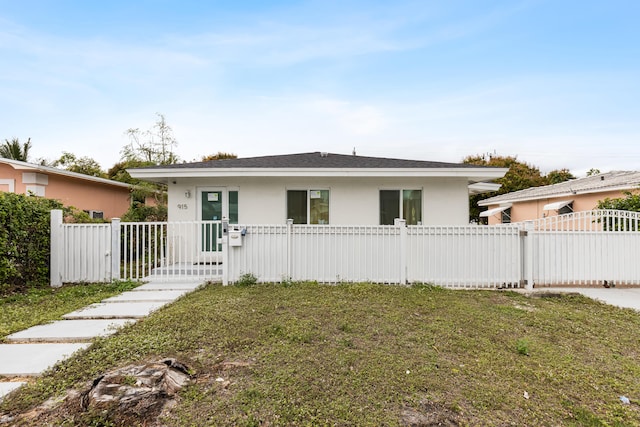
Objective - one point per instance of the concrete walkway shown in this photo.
(30, 352)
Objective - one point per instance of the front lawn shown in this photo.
(362, 354)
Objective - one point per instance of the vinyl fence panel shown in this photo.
(87, 253)
(263, 253)
(465, 257)
(581, 258)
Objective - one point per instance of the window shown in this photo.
(308, 206)
(389, 206)
(405, 204)
(233, 207)
(506, 216)
(566, 209)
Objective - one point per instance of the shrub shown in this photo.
(247, 279)
(139, 212)
(24, 241)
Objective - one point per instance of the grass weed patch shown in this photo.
(364, 354)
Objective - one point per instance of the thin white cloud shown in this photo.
(356, 119)
(283, 42)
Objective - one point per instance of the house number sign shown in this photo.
(183, 206)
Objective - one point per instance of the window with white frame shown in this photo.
(405, 204)
(308, 206)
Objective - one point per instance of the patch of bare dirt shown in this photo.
(430, 414)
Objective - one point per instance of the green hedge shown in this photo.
(24, 241)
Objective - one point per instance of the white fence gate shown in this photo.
(586, 248)
(174, 250)
(82, 252)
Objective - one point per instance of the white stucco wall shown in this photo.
(351, 201)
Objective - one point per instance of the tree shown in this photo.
(593, 171)
(14, 150)
(630, 202)
(84, 165)
(142, 189)
(559, 175)
(146, 148)
(220, 155)
(154, 146)
(519, 176)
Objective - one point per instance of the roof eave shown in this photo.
(483, 187)
(493, 201)
(25, 166)
(163, 175)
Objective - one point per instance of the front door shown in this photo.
(212, 208)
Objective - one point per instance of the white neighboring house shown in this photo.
(321, 188)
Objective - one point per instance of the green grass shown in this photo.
(361, 354)
(42, 305)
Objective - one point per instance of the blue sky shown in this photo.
(556, 82)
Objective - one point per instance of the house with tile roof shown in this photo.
(100, 197)
(575, 195)
(321, 188)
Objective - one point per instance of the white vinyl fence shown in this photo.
(450, 256)
(174, 250)
(80, 252)
(325, 253)
(469, 256)
(595, 220)
(585, 248)
(576, 249)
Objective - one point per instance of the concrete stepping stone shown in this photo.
(8, 387)
(69, 330)
(138, 296)
(25, 360)
(125, 310)
(168, 286)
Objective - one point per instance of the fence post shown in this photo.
(528, 254)
(115, 249)
(55, 249)
(289, 248)
(402, 223)
(225, 251)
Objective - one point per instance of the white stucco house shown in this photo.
(321, 188)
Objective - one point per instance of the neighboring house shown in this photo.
(575, 195)
(101, 198)
(321, 188)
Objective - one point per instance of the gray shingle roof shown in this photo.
(615, 180)
(315, 160)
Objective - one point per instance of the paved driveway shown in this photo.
(620, 297)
